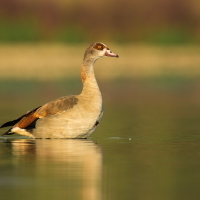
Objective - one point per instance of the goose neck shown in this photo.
(90, 85)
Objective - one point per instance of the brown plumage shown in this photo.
(73, 116)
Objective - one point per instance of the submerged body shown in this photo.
(73, 116)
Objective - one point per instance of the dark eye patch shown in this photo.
(99, 46)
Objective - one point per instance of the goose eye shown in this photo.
(99, 47)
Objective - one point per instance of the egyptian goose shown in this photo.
(73, 116)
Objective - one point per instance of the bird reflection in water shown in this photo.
(71, 166)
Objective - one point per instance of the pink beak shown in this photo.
(109, 53)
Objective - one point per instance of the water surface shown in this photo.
(147, 146)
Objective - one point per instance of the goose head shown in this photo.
(97, 50)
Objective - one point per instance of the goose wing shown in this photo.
(54, 107)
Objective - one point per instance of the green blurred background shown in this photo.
(150, 21)
(153, 37)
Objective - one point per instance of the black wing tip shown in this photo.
(8, 132)
(13, 122)
(10, 123)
